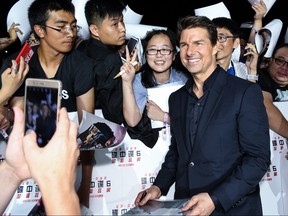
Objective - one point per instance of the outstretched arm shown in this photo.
(277, 121)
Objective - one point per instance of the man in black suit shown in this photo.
(219, 148)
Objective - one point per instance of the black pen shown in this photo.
(143, 195)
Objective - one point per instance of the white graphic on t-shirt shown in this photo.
(281, 95)
(65, 94)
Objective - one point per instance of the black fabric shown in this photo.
(144, 132)
(108, 91)
(75, 71)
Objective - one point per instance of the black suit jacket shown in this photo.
(231, 152)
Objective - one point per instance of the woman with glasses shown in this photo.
(274, 83)
(160, 48)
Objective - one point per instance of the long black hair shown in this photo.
(147, 73)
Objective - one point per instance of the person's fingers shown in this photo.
(30, 143)
(23, 67)
(18, 127)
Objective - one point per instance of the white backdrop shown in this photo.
(121, 172)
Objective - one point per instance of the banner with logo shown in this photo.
(124, 170)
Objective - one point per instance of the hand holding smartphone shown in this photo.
(132, 43)
(27, 54)
(42, 104)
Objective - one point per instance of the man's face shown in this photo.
(59, 40)
(111, 31)
(225, 49)
(278, 68)
(196, 51)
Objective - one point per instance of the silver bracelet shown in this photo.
(166, 117)
(252, 77)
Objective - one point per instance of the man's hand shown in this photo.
(200, 204)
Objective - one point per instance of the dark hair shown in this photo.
(147, 74)
(106, 132)
(204, 22)
(39, 11)
(97, 10)
(227, 23)
(279, 47)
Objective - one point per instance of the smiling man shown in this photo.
(219, 148)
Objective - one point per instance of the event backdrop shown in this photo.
(121, 172)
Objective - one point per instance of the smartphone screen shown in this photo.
(42, 103)
(131, 46)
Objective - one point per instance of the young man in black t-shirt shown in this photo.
(54, 24)
(107, 35)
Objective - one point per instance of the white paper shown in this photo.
(273, 28)
(160, 96)
(131, 17)
(139, 30)
(19, 15)
(213, 11)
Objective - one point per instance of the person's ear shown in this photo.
(236, 43)
(94, 30)
(39, 31)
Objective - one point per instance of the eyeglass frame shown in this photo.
(280, 62)
(226, 37)
(64, 29)
(160, 51)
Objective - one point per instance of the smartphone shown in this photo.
(27, 53)
(131, 44)
(42, 104)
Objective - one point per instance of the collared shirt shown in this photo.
(196, 105)
(140, 92)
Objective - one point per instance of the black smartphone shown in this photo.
(131, 44)
(42, 104)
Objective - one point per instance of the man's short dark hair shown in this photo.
(39, 11)
(97, 10)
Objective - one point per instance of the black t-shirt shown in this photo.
(269, 85)
(108, 91)
(75, 71)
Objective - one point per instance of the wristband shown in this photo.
(166, 118)
(252, 77)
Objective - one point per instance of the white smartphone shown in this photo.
(254, 1)
(42, 104)
(131, 44)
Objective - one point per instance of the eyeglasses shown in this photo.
(281, 62)
(223, 38)
(67, 30)
(162, 51)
